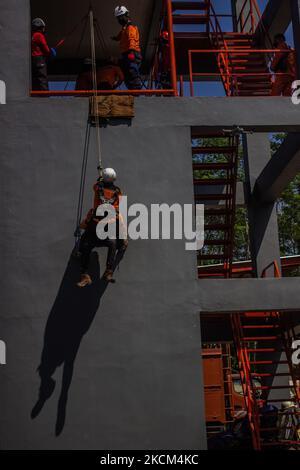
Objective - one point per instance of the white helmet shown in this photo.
(109, 175)
(121, 11)
(38, 23)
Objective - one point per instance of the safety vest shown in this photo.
(106, 195)
(129, 38)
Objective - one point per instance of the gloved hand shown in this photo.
(131, 57)
(53, 52)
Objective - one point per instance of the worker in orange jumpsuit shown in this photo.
(105, 192)
(284, 64)
(109, 76)
(129, 39)
(40, 51)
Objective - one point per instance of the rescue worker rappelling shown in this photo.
(40, 51)
(105, 192)
(129, 39)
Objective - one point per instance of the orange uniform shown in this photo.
(284, 63)
(108, 77)
(129, 38)
(104, 195)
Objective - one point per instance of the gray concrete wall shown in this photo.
(137, 375)
(126, 359)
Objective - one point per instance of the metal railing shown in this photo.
(229, 75)
(173, 91)
(254, 16)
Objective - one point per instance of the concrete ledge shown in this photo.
(227, 296)
(208, 115)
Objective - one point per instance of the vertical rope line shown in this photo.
(94, 73)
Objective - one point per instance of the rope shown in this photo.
(94, 72)
(77, 233)
(62, 41)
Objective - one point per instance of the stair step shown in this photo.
(273, 387)
(213, 227)
(281, 443)
(280, 374)
(190, 19)
(208, 274)
(212, 182)
(266, 363)
(278, 400)
(248, 339)
(263, 350)
(212, 150)
(253, 62)
(257, 79)
(253, 86)
(237, 40)
(260, 315)
(212, 197)
(218, 212)
(211, 257)
(256, 327)
(216, 242)
(190, 6)
(253, 94)
(213, 166)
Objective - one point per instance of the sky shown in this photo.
(222, 7)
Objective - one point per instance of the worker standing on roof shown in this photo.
(40, 51)
(284, 64)
(105, 192)
(129, 39)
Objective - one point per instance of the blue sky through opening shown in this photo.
(222, 7)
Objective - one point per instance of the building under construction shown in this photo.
(186, 344)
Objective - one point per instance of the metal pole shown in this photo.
(172, 47)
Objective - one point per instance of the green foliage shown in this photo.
(288, 206)
(288, 210)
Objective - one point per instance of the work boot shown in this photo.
(108, 276)
(85, 281)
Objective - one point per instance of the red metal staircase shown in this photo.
(263, 344)
(191, 13)
(243, 67)
(215, 162)
(247, 67)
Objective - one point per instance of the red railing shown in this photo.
(277, 271)
(167, 92)
(254, 15)
(246, 380)
(220, 43)
(232, 77)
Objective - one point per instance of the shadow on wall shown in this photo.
(71, 317)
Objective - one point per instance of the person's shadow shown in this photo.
(70, 318)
